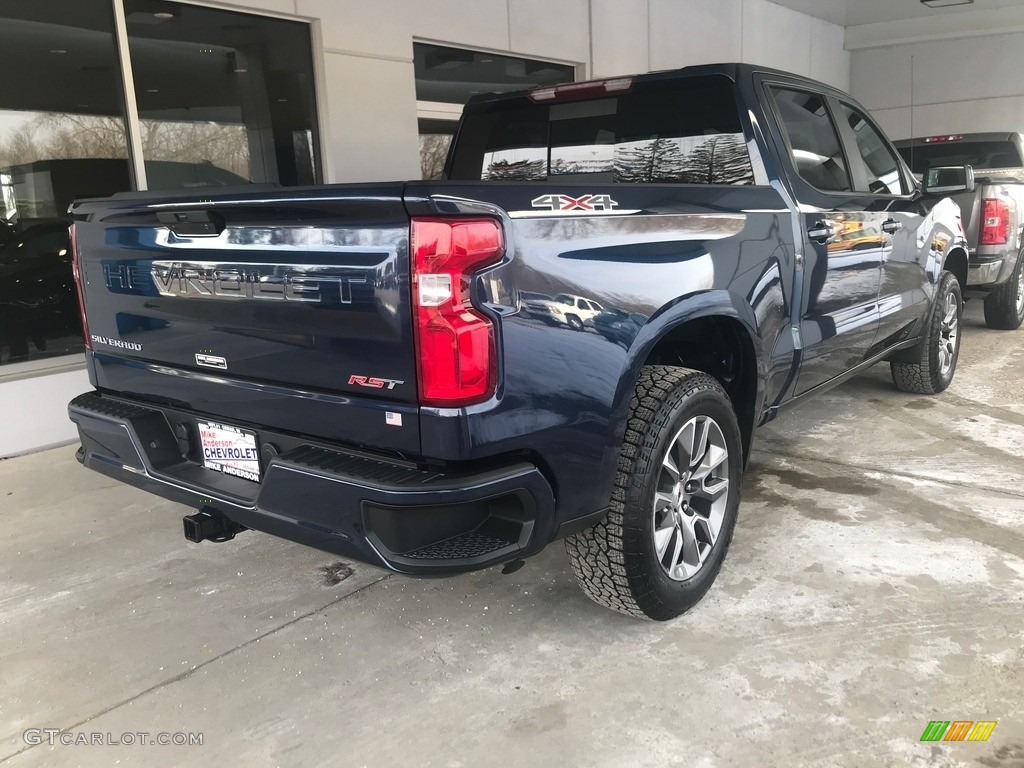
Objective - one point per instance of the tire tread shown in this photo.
(922, 376)
(598, 555)
(1001, 303)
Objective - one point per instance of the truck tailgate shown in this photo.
(303, 293)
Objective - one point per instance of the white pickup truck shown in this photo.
(993, 213)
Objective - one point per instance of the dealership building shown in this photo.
(107, 96)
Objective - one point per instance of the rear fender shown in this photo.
(662, 323)
(955, 261)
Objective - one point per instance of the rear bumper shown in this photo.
(986, 271)
(389, 514)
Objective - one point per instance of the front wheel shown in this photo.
(931, 364)
(674, 503)
(1004, 306)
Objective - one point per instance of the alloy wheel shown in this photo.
(691, 497)
(948, 335)
(1020, 293)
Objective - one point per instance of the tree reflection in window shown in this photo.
(663, 133)
(717, 159)
(501, 169)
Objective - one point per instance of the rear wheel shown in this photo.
(933, 361)
(674, 503)
(1004, 306)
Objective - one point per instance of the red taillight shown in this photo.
(947, 137)
(995, 222)
(76, 270)
(455, 348)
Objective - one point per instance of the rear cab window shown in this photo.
(981, 155)
(673, 131)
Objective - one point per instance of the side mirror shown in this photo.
(948, 179)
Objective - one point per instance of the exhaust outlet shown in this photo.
(210, 525)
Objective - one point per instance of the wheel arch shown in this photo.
(678, 335)
(957, 262)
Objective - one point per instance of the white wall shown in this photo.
(970, 84)
(684, 32)
(620, 34)
(966, 72)
(34, 411)
(640, 35)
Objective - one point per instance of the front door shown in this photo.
(879, 175)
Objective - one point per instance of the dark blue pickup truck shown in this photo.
(574, 335)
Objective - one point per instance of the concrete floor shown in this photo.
(876, 582)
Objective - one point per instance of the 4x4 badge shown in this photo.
(569, 203)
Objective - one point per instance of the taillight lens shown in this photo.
(76, 270)
(455, 347)
(995, 222)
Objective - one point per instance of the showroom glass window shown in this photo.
(447, 77)
(223, 98)
(435, 138)
(62, 136)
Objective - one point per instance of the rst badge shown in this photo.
(373, 382)
(569, 204)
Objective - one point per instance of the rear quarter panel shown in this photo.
(667, 254)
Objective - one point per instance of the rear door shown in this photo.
(844, 241)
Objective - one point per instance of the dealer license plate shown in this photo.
(230, 450)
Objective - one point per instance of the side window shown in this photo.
(883, 169)
(813, 139)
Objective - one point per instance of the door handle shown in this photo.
(891, 226)
(821, 232)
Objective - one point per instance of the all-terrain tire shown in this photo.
(1004, 306)
(615, 561)
(934, 359)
